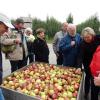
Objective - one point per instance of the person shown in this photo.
(30, 39)
(17, 57)
(70, 46)
(5, 23)
(40, 47)
(88, 46)
(57, 38)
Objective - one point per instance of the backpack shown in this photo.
(95, 63)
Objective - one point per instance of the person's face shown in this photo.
(20, 25)
(3, 28)
(42, 35)
(71, 31)
(28, 33)
(88, 38)
(64, 27)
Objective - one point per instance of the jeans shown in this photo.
(1, 95)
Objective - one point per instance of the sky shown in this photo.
(59, 9)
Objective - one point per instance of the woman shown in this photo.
(30, 39)
(88, 47)
(40, 47)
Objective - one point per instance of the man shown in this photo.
(69, 47)
(18, 57)
(4, 25)
(40, 47)
(57, 38)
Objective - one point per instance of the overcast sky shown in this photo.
(59, 9)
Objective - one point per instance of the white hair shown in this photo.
(28, 29)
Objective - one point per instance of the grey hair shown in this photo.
(28, 29)
(88, 30)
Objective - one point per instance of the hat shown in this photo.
(19, 20)
(4, 19)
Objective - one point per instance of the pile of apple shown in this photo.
(46, 82)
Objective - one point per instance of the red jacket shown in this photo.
(95, 63)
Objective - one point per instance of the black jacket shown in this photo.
(88, 50)
(41, 50)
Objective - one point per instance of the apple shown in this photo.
(51, 92)
(36, 91)
(54, 96)
(65, 94)
(73, 98)
(76, 86)
(5, 82)
(11, 83)
(32, 93)
(69, 94)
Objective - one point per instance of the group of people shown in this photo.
(71, 49)
(75, 50)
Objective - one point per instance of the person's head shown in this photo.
(19, 23)
(5, 23)
(40, 33)
(64, 27)
(71, 29)
(28, 31)
(88, 34)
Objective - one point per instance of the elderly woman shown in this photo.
(69, 46)
(30, 39)
(88, 47)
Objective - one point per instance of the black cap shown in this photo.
(19, 20)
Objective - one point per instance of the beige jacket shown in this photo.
(17, 54)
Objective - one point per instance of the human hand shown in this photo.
(72, 43)
(17, 41)
(97, 81)
(78, 71)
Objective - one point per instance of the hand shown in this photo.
(17, 41)
(72, 43)
(78, 71)
(97, 81)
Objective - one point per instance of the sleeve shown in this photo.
(6, 40)
(64, 45)
(55, 43)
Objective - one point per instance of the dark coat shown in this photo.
(70, 53)
(88, 50)
(41, 50)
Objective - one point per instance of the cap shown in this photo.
(4, 19)
(19, 20)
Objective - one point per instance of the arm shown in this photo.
(64, 46)
(55, 43)
(5, 39)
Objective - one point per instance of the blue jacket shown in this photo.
(70, 53)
